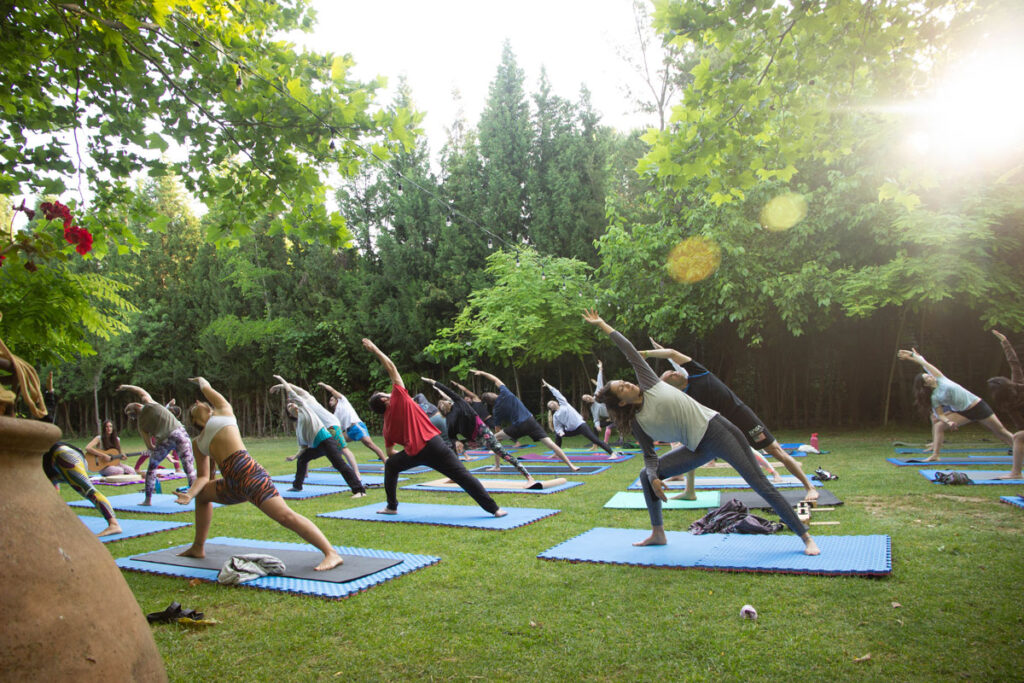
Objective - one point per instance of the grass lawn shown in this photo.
(490, 610)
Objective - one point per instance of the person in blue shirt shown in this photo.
(949, 404)
(516, 420)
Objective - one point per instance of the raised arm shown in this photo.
(644, 374)
(469, 394)
(916, 357)
(217, 402)
(389, 366)
(1016, 374)
(330, 390)
(556, 393)
(444, 389)
(488, 376)
(600, 375)
(143, 395)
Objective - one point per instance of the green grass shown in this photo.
(490, 610)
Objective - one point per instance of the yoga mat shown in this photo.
(788, 480)
(754, 501)
(549, 456)
(317, 585)
(840, 555)
(445, 515)
(492, 486)
(977, 476)
(130, 528)
(332, 478)
(634, 500)
(1012, 500)
(968, 460)
(128, 480)
(976, 449)
(374, 468)
(307, 491)
(163, 503)
(559, 469)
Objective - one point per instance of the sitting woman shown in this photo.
(106, 448)
(243, 479)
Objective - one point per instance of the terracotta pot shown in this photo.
(65, 610)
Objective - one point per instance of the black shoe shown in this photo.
(294, 488)
(172, 613)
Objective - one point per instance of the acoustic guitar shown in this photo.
(93, 461)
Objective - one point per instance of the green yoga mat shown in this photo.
(634, 500)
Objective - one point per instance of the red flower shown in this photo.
(2, 257)
(56, 210)
(84, 242)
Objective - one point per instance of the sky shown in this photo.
(445, 45)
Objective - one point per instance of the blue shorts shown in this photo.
(357, 432)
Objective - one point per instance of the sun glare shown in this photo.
(975, 115)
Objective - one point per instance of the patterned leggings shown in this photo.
(485, 436)
(176, 441)
(64, 462)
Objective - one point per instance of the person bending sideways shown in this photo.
(162, 433)
(653, 409)
(243, 479)
(405, 424)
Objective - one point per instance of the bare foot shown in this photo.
(530, 481)
(330, 562)
(360, 494)
(290, 458)
(1011, 475)
(387, 511)
(500, 513)
(573, 468)
(146, 503)
(812, 495)
(496, 468)
(810, 547)
(193, 552)
(776, 477)
(654, 539)
(613, 456)
(932, 458)
(113, 528)
(686, 495)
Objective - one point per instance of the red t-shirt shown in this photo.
(405, 423)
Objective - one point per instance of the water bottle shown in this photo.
(158, 488)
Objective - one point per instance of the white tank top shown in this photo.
(212, 428)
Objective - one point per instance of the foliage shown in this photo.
(530, 314)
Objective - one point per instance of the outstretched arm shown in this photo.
(1016, 374)
(913, 355)
(644, 375)
(469, 394)
(217, 401)
(330, 390)
(488, 376)
(143, 395)
(389, 366)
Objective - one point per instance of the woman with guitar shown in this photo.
(104, 452)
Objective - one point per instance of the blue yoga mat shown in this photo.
(331, 478)
(788, 481)
(323, 589)
(840, 555)
(445, 515)
(1013, 500)
(977, 476)
(163, 503)
(598, 457)
(634, 500)
(560, 469)
(307, 491)
(979, 449)
(493, 487)
(374, 468)
(130, 528)
(969, 460)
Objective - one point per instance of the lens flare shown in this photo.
(694, 259)
(783, 212)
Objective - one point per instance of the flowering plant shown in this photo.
(38, 241)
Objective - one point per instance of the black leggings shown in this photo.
(330, 449)
(435, 455)
(587, 432)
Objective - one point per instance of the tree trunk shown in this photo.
(892, 368)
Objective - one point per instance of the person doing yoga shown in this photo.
(353, 427)
(405, 424)
(1007, 393)
(316, 439)
(566, 421)
(949, 405)
(653, 409)
(706, 388)
(462, 420)
(243, 479)
(161, 433)
(64, 462)
(598, 411)
(516, 419)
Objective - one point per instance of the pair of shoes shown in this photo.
(171, 613)
(294, 488)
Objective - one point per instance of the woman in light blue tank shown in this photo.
(949, 404)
